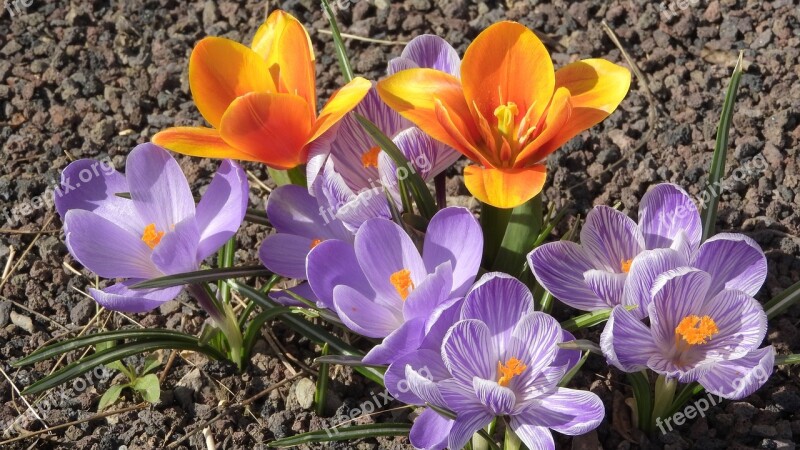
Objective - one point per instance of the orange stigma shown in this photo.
(401, 280)
(151, 236)
(370, 157)
(315, 243)
(512, 368)
(625, 265)
(696, 330)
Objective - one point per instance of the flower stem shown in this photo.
(665, 394)
(512, 441)
(494, 222)
(224, 318)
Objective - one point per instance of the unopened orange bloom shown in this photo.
(261, 101)
(509, 110)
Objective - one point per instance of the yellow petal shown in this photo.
(274, 127)
(342, 102)
(505, 188)
(423, 96)
(221, 70)
(507, 63)
(265, 35)
(558, 116)
(199, 141)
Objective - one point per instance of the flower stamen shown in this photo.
(695, 330)
(401, 280)
(151, 236)
(315, 243)
(625, 265)
(370, 157)
(506, 118)
(509, 370)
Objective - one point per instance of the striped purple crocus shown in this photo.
(694, 334)
(618, 259)
(158, 231)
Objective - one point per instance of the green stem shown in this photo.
(494, 222)
(224, 318)
(642, 397)
(665, 394)
(512, 441)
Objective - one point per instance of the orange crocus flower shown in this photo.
(261, 101)
(509, 110)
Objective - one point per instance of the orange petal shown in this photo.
(342, 102)
(505, 188)
(286, 47)
(275, 127)
(221, 70)
(198, 141)
(507, 63)
(558, 116)
(422, 95)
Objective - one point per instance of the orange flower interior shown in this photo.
(695, 330)
(509, 370)
(316, 242)
(370, 157)
(151, 236)
(625, 265)
(401, 280)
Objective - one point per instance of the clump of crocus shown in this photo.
(261, 101)
(618, 260)
(501, 359)
(382, 287)
(509, 110)
(694, 334)
(158, 231)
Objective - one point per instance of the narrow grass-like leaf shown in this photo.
(321, 392)
(582, 345)
(643, 397)
(787, 360)
(258, 217)
(571, 373)
(204, 276)
(344, 360)
(344, 434)
(225, 260)
(589, 319)
(686, 394)
(709, 213)
(253, 328)
(520, 236)
(783, 301)
(341, 52)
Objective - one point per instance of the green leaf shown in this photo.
(344, 434)
(110, 396)
(787, 360)
(783, 301)
(582, 345)
(151, 363)
(149, 387)
(344, 360)
(590, 319)
(341, 52)
(225, 260)
(139, 334)
(494, 222)
(419, 190)
(204, 276)
(295, 176)
(258, 217)
(686, 394)
(573, 371)
(254, 327)
(520, 236)
(643, 397)
(709, 214)
(322, 384)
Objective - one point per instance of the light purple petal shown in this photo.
(454, 235)
(499, 300)
(432, 52)
(106, 248)
(120, 298)
(403, 340)
(92, 186)
(734, 261)
(292, 210)
(465, 426)
(318, 152)
(741, 321)
(430, 294)
(332, 263)
(606, 285)
(559, 267)
(533, 436)
(427, 156)
(222, 208)
(467, 351)
(368, 204)
(534, 342)
(666, 210)
(301, 290)
(285, 254)
(566, 358)
(440, 321)
(627, 342)
(363, 315)
(676, 295)
(430, 431)
(741, 377)
(643, 273)
(497, 399)
(568, 411)
(158, 187)
(177, 251)
(611, 238)
(427, 362)
(424, 387)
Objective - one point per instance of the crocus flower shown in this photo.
(694, 336)
(618, 260)
(509, 110)
(261, 101)
(158, 231)
(381, 287)
(501, 359)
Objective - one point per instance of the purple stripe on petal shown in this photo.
(426, 362)
(159, 188)
(568, 411)
(734, 261)
(105, 248)
(222, 208)
(611, 238)
(533, 436)
(626, 342)
(497, 399)
(676, 295)
(666, 210)
(363, 315)
(424, 387)
(559, 267)
(741, 321)
(499, 300)
(465, 426)
(318, 152)
(606, 285)
(741, 377)
(177, 251)
(430, 431)
(432, 52)
(534, 342)
(120, 298)
(332, 263)
(369, 204)
(454, 235)
(643, 273)
(403, 340)
(285, 254)
(467, 351)
(428, 156)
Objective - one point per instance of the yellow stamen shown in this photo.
(506, 115)
(507, 372)
(625, 265)
(316, 242)
(696, 330)
(401, 280)
(370, 157)
(151, 236)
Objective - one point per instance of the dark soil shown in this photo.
(83, 79)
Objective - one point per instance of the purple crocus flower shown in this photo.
(382, 287)
(158, 231)
(501, 359)
(618, 259)
(694, 336)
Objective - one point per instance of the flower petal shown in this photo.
(177, 251)
(332, 263)
(644, 270)
(608, 286)
(285, 254)
(484, 302)
(292, 210)
(428, 156)
(363, 315)
(222, 208)
(467, 351)
(664, 212)
(428, 51)
(430, 431)
(454, 235)
(465, 426)
(676, 295)
(533, 436)
(626, 342)
(369, 204)
(423, 386)
(428, 363)
(559, 115)
(433, 292)
(504, 188)
(734, 261)
(497, 399)
(303, 290)
(611, 238)
(534, 342)
(568, 411)
(741, 321)
(342, 102)
(559, 267)
(401, 341)
(220, 70)
(202, 142)
(120, 298)
(738, 378)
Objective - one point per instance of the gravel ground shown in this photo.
(87, 79)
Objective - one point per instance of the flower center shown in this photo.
(370, 157)
(505, 119)
(401, 280)
(696, 330)
(625, 265)
(315, 243)
(509, 370)
(151, 236)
